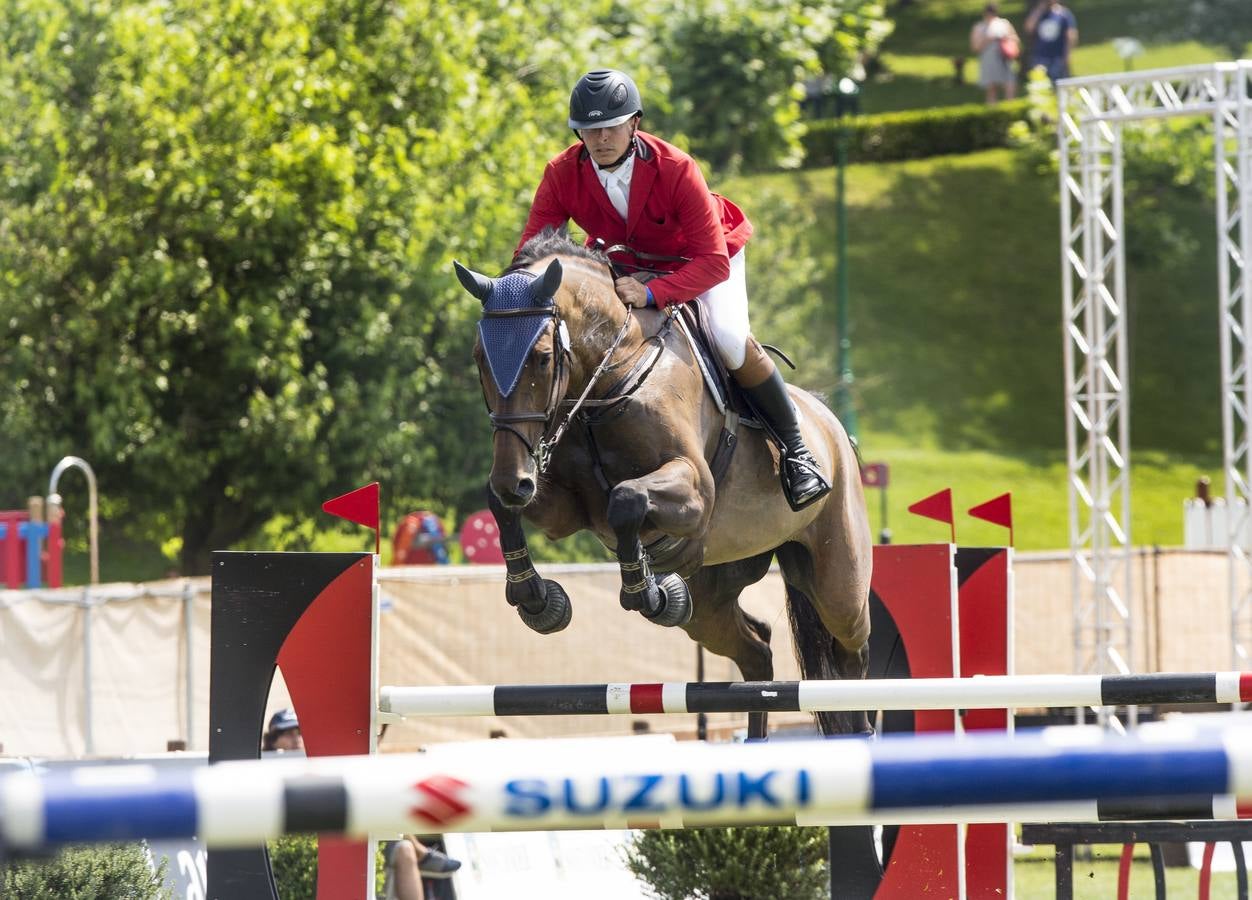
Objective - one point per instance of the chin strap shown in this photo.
(625, 156)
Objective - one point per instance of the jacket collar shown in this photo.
(640, 181)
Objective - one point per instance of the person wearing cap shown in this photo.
(407, 862)
(283, 732)
(625, 186)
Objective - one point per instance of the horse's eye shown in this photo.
(545, 358)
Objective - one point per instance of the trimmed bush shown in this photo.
(116, 872)
(914, 134)
(293, 859)
(761, 863)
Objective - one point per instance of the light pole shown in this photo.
(847, 101)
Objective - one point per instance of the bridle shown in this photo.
(541, 451)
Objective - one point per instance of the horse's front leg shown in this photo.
(670, 498)
(542, 604)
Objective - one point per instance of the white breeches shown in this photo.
(726, 307)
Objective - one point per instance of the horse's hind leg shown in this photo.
(828, 603)
(721, 626)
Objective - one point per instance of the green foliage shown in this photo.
(116, 872)
(758, 863)
(914, 134)
(737, 67)
(228, 227)
(293, 860)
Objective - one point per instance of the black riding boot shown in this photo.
(802, 479)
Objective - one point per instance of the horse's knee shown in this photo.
(628, 505)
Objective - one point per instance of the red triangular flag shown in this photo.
(937, 506)
(997, 511)
(359, 506)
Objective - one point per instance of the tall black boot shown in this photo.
(802, 478)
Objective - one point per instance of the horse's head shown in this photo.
(522, 353)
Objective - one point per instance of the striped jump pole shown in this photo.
(980, 692)
(590, 784)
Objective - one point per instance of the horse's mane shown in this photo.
(553, 242)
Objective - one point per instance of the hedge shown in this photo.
(914, 134)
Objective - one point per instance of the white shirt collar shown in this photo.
(617, 183)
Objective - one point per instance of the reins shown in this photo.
(541, 452)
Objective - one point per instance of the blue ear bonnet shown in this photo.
(508, 340)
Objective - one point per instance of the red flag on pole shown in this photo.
(937, 506)
(359, 506)
(997, 511)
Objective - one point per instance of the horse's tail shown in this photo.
(815, 648)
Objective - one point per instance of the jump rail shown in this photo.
(989, 692)
(501, 786)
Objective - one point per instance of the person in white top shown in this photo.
(990, 38)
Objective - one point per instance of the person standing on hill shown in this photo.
(1054, 32)
(995, 41)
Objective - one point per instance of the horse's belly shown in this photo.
(750, 514)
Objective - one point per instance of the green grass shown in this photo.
(1159, 483)
(929, 34)
(1096, 879)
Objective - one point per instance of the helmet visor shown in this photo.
(579, 124)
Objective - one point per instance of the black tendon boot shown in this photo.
(801, 478)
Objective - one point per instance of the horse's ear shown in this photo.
(543, 289)
(479, 285)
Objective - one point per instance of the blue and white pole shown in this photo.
(555, 785)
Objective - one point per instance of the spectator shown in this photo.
(408, 861)
(1054, 34)
(283, 732)
(990, 39)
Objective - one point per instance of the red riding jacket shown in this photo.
(671, 212)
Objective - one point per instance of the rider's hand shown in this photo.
(631, 292)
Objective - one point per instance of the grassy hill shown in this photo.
(954, 267)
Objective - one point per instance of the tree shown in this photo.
(753, 863)
(737, 70)
(227, 234)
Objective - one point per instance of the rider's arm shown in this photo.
(545, 210)
(698, 214)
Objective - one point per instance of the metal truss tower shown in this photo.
(1093, 112)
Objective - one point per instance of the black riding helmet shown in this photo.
(602, 99)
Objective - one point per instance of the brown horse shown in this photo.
(632, 465)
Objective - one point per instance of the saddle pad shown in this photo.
(721, 385)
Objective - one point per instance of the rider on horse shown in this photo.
(628, 187)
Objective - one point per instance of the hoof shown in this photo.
(675, 602)
(556, 612)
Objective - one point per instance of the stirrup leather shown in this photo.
(801, 464)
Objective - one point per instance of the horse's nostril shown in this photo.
(525, 489)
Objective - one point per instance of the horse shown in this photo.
(602, 422)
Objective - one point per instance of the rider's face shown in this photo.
(608, 144)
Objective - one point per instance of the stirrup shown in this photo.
(807, 464)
